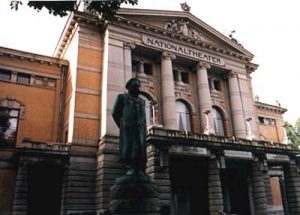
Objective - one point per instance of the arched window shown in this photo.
(148, 110)
(218, 122)
(183, 117)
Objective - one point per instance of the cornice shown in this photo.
(269, 107)
(69, 29)
(153, 30)
(185, 14)
(42, 59)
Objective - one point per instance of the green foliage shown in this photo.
(105, 9)
(293, 133)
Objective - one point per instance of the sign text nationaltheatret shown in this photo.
(181, 49)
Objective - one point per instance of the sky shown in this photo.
(267, 28)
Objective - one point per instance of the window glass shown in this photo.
(185, 77)
(218, 122)
(175, 75)
(23, 78)
(182, 117)
(8, 126)
(148, 110)
(148, 68)
(5, 75)
(135, 65)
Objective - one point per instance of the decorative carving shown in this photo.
(202, 64)
(129, 46)
(168, 56)
(11, 102)
(185, 7)
(182, 27)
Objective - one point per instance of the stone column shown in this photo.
(292, 181)
(237, 113)
(20, 202)
(215, 196)
(204, 98)
(168, 94)
(259, 193)
(127, 61)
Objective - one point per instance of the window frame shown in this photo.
(17, 125)
(187, 115)
(3, 71)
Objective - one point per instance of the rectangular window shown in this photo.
(23, 78)
(147, 68)
(217, 85)
(261, 120)
(8, 126)
(5, 75)
(134, 66)
(185, 77)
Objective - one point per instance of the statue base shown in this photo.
(134, 195)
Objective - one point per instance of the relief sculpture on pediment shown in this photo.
(182, 27)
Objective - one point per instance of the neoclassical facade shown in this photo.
(212, 148)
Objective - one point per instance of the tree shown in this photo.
(293, 133)
(105, 9)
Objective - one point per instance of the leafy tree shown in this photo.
(104, 8)
(293, 133)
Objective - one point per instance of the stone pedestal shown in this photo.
(133, 195)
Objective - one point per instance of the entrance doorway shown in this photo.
(235, 188)
(189, 183)
(44, 193)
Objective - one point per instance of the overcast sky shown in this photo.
(267, 28)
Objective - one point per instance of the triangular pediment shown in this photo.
(186, 24)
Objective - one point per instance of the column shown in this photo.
(292, 182)
(215, 196)
(127, 61)
(237, 113)
(20, 202)
(168, 94)
(259, 193)
(204, 98)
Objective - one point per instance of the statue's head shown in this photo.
(133, 86)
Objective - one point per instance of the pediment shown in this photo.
(186, 24)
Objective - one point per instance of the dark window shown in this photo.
(135, 65)
(261, 119)
(8, 126)
(23, 78)
(175, 75)
(217, 85)
(185, 77)
(148, 68)
(5, 75)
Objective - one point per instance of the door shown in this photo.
(44, 189)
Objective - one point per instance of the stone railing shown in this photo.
(158, 131)
(47, 146)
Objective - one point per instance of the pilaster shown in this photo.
(259, 192)
(216, 205)
(20, 202)
(292, 182)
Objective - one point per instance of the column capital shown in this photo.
(202, 64)
(168, 56)
(232, 74)
(129, 46)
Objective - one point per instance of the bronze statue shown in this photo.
(129, 115)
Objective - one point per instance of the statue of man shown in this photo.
(129, 115)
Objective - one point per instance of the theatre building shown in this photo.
(212, 148)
